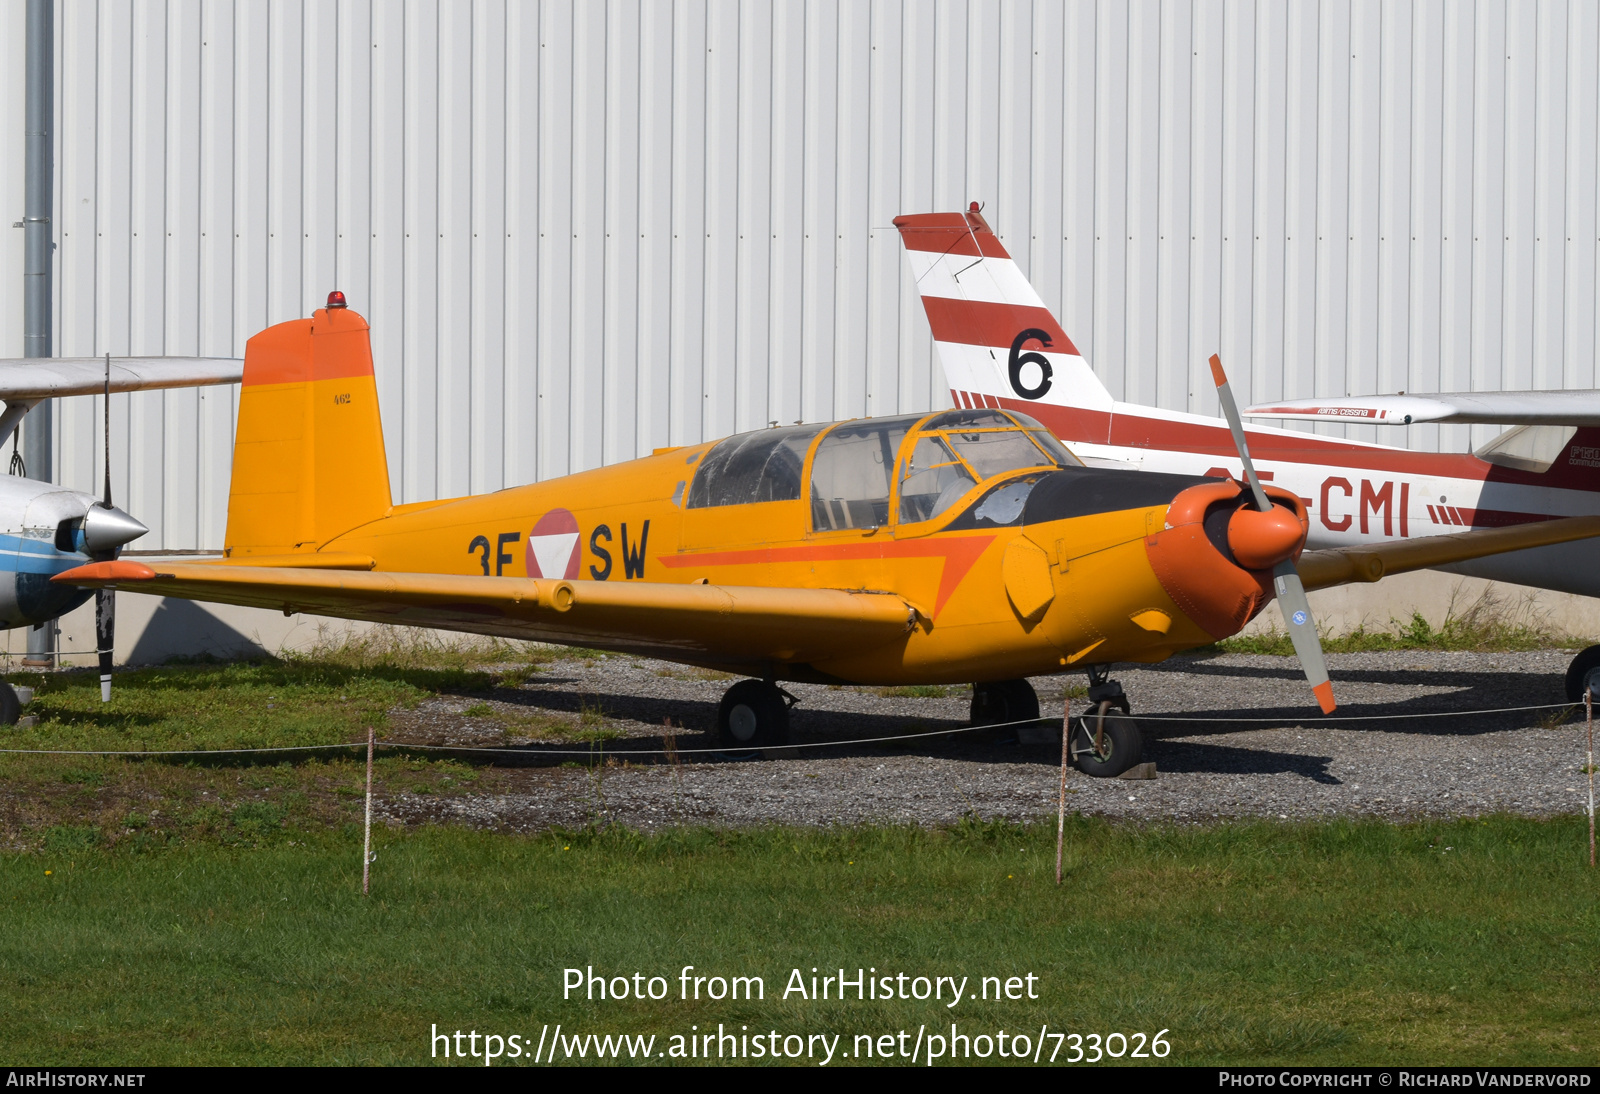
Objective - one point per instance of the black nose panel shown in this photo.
(1085, 491)
(39, 598)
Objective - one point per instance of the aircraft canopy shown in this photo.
(939, 457)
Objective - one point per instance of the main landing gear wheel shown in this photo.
(1105, 742)
(753, 714)
(10, 705)
(1583, 671)
(1001, 701)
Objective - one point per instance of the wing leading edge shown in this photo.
(715, 623)
(1466, 407)
(23, 378)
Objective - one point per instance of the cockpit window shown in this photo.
(761, 466)
(959, 449)
(932, 481)
(1528, 447)
(852, 472)
(1057, 451)
(992, 452)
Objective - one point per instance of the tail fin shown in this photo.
(995, 337)
(308, 459)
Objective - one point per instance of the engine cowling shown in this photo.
(45, 530)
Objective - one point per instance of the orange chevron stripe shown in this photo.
(959, 554)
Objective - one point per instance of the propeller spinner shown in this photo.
(1286, 582)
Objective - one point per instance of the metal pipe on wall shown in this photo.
(38, 314)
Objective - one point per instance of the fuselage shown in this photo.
(1017, 560)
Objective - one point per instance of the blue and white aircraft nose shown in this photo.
(106, 529)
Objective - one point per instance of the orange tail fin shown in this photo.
(308, 457)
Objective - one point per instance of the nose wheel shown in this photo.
(1105, 740)
(754, 714)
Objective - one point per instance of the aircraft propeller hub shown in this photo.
(1259, 541)
(105, 529)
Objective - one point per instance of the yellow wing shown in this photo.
(702, 624)
(1322, 569)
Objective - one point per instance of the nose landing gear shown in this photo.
(1105, 740)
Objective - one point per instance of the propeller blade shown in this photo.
(1303, 631)
(107, 501)
(105, 632)
(1230, 410)
(105, 600)
(1286, 583)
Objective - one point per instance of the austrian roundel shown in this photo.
(553, 545)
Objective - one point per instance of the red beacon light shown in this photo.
(336, 299)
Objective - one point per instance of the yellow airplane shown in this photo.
(958, 546)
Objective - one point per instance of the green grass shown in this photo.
(1494, 621)
(303, 701)
(208, 912)
(1325, 943)
(925, 691)
(1478, 629)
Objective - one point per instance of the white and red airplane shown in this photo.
(1001, 347)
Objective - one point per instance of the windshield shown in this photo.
(959, 449)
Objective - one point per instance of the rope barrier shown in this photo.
(513, 751)
(1336, 718)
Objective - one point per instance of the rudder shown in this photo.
(308, 455)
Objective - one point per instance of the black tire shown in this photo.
(752, 715)
(1582, 665)
(1001, 701)
(10, 705)
(1123, 744)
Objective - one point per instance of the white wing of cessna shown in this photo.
(47, 377)
(46, 529)
(1578, 408)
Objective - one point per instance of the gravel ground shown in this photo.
(1211, 763)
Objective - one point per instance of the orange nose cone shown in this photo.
(1262, 540)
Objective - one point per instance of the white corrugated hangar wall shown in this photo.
(582, 230)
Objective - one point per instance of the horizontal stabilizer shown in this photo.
(23, 378)
(720, 623)
(1466, 407)
(1370, 562)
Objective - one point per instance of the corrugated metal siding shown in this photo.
(582, 230)
(13, 98)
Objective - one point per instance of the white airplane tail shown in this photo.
(996, 339)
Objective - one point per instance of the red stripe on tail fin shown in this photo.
(950, 233)
(977, 323)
